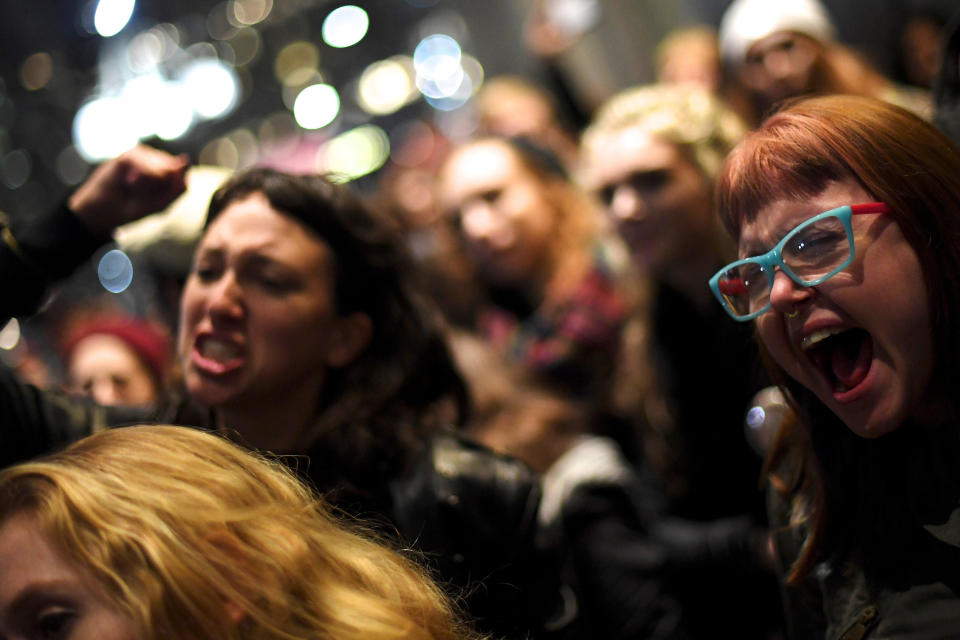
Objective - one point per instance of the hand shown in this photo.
(139, 182)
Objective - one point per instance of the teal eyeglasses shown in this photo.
(814, 251)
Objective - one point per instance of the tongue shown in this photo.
(851, 358)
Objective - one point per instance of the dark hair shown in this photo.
(534, 155)
(863, 488)
(376, 409)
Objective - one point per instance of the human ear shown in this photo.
(350, 336)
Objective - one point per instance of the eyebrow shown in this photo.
(755, 249)
(248, 256)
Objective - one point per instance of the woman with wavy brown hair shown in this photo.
(170, 532)
(302, 332)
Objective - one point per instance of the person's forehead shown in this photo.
(26, 556)
(478, 167)
(772, 41)
(772, 223)
(616, 154)
(778, 217)
(252, 224)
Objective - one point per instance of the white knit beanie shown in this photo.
(746, 21)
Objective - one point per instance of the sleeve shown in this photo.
(472, 513)
(36, 250)
(35, 422)
(601, 514)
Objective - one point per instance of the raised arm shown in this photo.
(141, 181)
(36, 250)
(40, 248)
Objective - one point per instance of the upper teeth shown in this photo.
(218, 350)
(816, 337)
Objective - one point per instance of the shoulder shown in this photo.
(462, 460)
(459, 467)
(456, 483)
(472, 514)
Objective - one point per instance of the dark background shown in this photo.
(35, 126)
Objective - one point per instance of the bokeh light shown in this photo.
(247, 146)
(176, 116)
(15, 168)
(112, 16)
(218, 22)
(295, 58)
(220, 152)
(36, 71)
(70, 167)
(103, 129)
(154, 106)
(354, 153)
(345, 26)
(213, 86)
(454, 100)
(246, 44)
(387, 85)
(316, 106)
(115, 271)
(10, 334)
(146, 50)
(436, 60)
(243, 13)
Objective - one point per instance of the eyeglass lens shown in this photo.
(809, 253)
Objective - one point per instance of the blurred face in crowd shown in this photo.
(861, 341)
(781, 65)
(259, 326)
(503, 211)
(693, 60)
(920, 50)
(105, 368)
(656, 196)
(44, 595)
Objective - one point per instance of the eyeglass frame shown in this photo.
(773, 258)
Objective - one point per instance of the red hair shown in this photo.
(859, 487)
(151, 343)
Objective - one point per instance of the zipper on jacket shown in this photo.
(859, 629)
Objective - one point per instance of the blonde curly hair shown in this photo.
(687, 116)
(180, 527)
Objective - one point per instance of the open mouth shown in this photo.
(843, 356)
(212, 355)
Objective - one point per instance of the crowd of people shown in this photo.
(526, 406)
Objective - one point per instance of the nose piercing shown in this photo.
(793, 315)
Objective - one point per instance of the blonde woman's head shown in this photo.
(650, 156)
(182, 534)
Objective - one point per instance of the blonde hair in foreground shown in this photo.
(192, 536)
